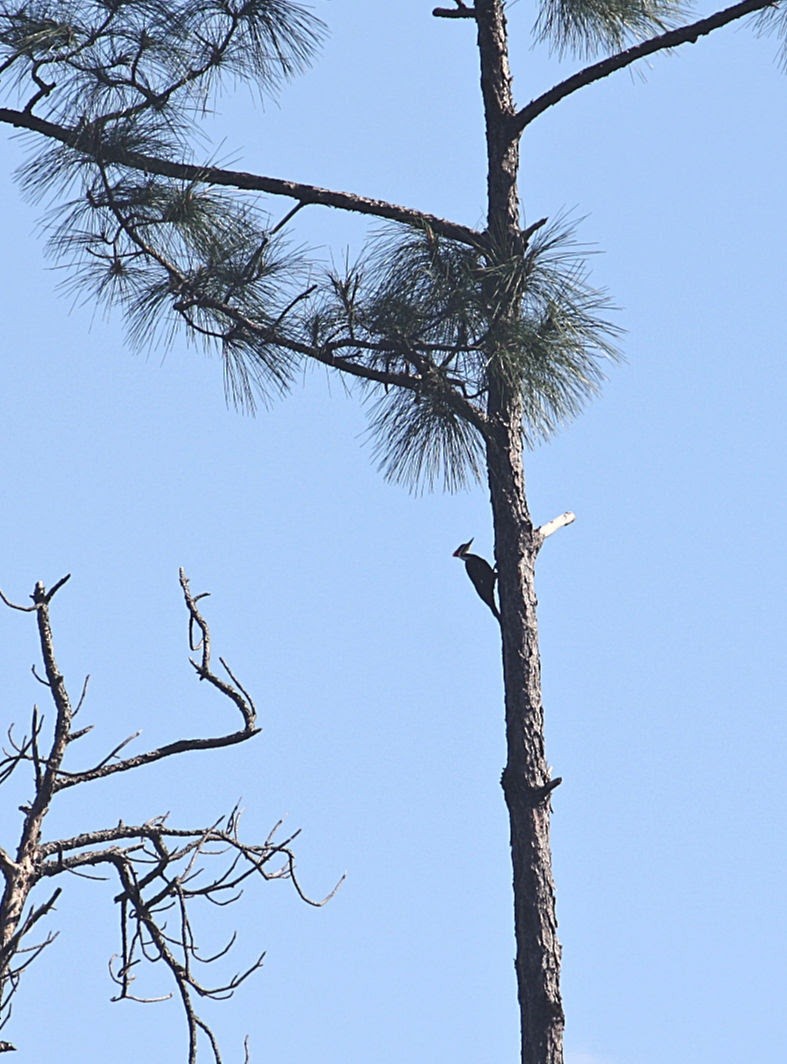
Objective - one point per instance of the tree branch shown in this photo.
(163, 871)
(460, 11)
(86, 141)
(271, 334)
(181, 746)
(540, 534)
(231, 690)
(688, 34)
(326, 355)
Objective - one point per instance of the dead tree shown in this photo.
(162, 872)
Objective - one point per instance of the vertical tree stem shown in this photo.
(526, 774)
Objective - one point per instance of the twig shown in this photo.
(13, 605)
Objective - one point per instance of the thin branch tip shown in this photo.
(528, 232)
(54, 590)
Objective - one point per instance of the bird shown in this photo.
(482, 576)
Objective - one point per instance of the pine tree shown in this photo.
(467, 345)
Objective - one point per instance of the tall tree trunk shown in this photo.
(526, 775)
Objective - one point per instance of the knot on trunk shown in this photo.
(517, 789)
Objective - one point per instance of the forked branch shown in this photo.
(164, 873)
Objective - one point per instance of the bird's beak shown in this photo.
(460, 550)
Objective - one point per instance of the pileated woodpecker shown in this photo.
(482, 575)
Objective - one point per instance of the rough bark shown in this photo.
(502, 144)
(526, 783)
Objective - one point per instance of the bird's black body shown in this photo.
(482, 576)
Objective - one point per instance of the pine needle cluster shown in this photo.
(111, 59)
(423, 323)
(452, 319)
(586, 27)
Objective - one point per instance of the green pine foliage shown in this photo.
(428, 307)
(773, 20)
(117, 58)
(425, 325)
(586, 27)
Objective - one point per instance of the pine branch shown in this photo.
(327, 354)
(463, 407)
(86, 140)
(426, 380)
(460, 11)
(688, 34)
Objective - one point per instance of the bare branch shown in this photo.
(113, 753)
(163, 872)
(56, 587)
(13, 759)
(232, 690)
(11, 945)
(287, 218)
(180, 746)
(35, 731)
(13, 605)
(460, 11)
(41, 680)
(80, 703)
(540, 534)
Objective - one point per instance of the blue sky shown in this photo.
(375, 670)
